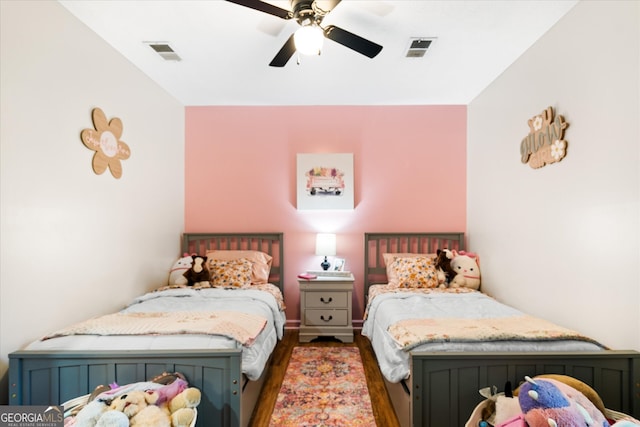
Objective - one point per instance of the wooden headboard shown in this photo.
(270, 243)
(376, 244)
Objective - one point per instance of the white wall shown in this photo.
(562, 242)
(75, 244)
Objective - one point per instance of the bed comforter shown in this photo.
(391, 325)
(257, 303)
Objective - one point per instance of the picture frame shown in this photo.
(324, 181)
(338, 264)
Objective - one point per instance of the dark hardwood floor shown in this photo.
(380, 402)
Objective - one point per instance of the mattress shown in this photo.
(386, 309)
(251, 301)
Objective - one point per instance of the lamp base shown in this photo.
(325, 264)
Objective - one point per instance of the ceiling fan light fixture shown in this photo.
(308, 39)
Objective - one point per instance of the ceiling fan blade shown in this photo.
(329, 5)
(264, 7)
(352, 41)
(284, 54)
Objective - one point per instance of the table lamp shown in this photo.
(325, 246)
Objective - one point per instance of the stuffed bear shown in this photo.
(176, 274)
(198, 274)
(467, 271)
(177, 398)
(140, 406)
(146, 409)
(443, 267)
(167, 401)
(182, 407)
(548, 402)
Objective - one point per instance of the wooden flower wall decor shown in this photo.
(105, 141)
(544, 144)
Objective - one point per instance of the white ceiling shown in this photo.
(226, 48)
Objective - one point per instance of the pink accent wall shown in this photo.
(409, 175)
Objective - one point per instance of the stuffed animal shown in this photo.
(140, 406)
(177, 411)
(498, 408)
(198, 274)
(443, 267)
(467, 271)
(182, 407)
(547, 402)
(166, 401)
(151, 416)
(90, 414)
(113, 419)
(176, 274)
(583, 388)
(507, 406)
(178, 399)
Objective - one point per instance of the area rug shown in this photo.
(323, 386)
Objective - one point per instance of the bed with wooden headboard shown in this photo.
(228, 398)
(442, 386)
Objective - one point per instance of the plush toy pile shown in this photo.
(549, 401)
(164, 402)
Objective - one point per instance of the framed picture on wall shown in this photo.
(324, 181)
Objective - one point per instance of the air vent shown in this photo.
(418, 46)
(164, 50)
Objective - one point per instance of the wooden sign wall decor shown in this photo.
(544, 144)
(105, 141)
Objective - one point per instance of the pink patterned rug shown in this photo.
(324, 386)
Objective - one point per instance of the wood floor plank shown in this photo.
(382, 407)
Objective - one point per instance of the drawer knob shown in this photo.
(326, 320)
(327, 301)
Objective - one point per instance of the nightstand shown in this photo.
(325, 308)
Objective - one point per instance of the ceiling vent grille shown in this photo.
(418, 46)
(165, 51)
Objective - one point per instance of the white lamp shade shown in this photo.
(325, 244)
(308, 39)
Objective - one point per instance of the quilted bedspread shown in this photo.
(243, 327)
(410, 333)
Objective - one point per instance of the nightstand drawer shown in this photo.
(326, 317)
(326, 299)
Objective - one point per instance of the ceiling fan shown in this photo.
(308, 38)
